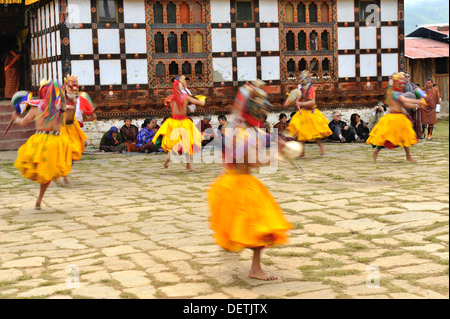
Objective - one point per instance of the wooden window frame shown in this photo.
(252, 10)
(107, 20)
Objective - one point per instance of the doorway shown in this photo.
(14, 36)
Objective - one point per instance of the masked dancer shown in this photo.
(44, 157)
(395, 129)
(243, 212)
(178, 134)
(71, 129)
(308, 124)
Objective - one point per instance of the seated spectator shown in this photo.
(361, 128)
(341, 131)
(282, 125)
(145, 136)
(222, 125)
(112, 141)
(129, 134)
(206, 129)
(378, 111)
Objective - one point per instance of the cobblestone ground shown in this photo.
(126, 228)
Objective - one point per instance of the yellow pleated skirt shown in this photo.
(393, 130)
(244, 214)
(76, 137)
(44, 158)
(309, 125)
(179, 136)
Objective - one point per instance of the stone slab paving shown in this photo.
(126, 228)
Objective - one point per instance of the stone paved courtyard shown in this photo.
(126, 228)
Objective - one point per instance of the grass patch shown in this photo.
(441, 128)
(321, 220)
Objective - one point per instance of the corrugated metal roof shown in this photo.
(422, 48)
(440, 29)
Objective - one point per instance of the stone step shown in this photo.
(22, 134)
(9, 145)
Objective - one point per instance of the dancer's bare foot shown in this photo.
(256, 271)
(189, 167)
(261, 275)
(375, 155)
(166, 163)
(412, 160)
(37, 207)
(66, 181)
(322, 149)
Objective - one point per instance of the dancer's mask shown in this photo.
(251, 103)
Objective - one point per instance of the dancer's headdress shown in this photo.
(177, 95)
(71, 85)
(395, 87)
(305, 80)
(251, 103)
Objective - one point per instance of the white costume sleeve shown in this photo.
(79, 112)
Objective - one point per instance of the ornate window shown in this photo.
(159, 43)
(324, 13)
(301, 12)
(106, 11)
(197, 13)
(325, 40)
(289, 9)
(290, 41)
(185, 42)
(307, 32)
(178, 33)
(313, 41)
(244, 11)
(158, 15)
(184, 13)
(172, 40)
(171, 12)
(312, 12)
(302, 40)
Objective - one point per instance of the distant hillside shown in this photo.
(425, 12)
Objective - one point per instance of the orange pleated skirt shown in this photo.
(44, 158)
(244, 214)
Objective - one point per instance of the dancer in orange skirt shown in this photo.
(395, 129)
(308, 124)
(45, 155)
(243, 212)
(71, 129)
(178, 134)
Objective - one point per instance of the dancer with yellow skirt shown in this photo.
(45, 156)
(243, 212)
(71, 129)
(308, 124)
(395, 129)
(178, 134)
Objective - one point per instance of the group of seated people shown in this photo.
(357, 131)
(130, 139)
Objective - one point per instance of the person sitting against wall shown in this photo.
(129, 134)
(341, 131)
(112, 141)
(361, 127)
(145, 137)
(378, 111)
(206, 129)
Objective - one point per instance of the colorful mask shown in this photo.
(71, 86)
(251, 103)
(305, 80)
